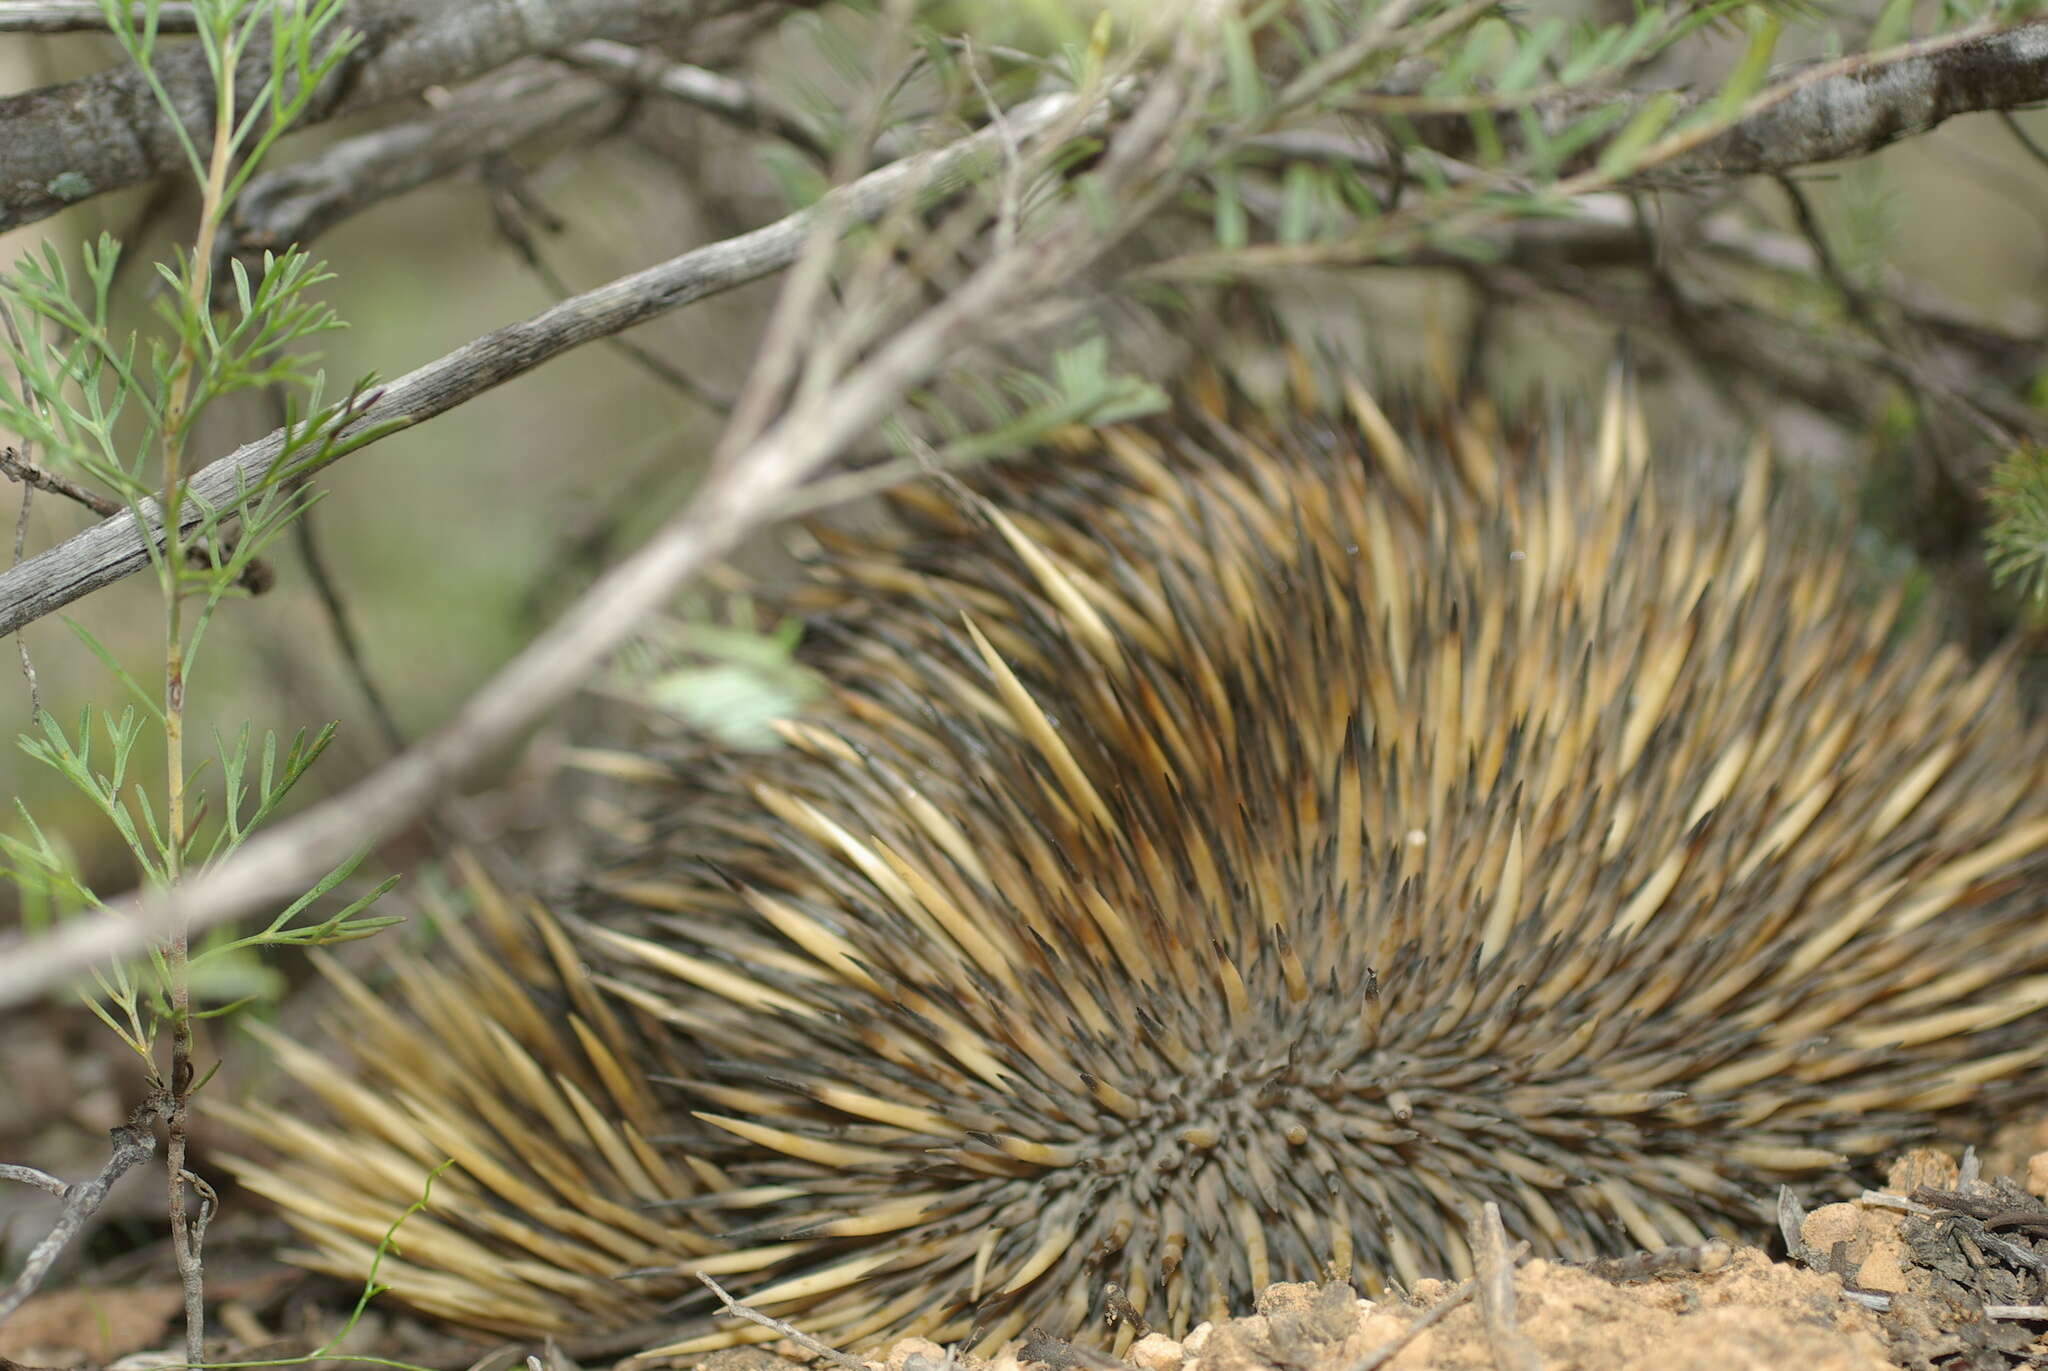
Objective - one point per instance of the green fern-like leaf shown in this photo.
(2018, 538)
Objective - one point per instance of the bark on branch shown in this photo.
(85, 16)
(538, 98)
(1845, 108)
(299, 201)
(134, 1143)
(111, 550)
(70, 142)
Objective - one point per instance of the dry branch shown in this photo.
(299, 201)
(85, 16)
(1845, 108)
(70, 142)
(111, 550)
(134, 1143)
(738, 495)
(722, 95)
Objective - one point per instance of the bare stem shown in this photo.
(185, 1234)
(20, 466)
(17, 466)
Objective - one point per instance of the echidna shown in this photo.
(1236, 845)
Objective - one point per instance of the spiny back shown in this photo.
(1234, 848)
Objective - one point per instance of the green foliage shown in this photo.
(1748, 77)
(300, 60)
(114, 410)
(373, 1286)
(722, 680)
(1507, 81)
(998, 418)
(2018, 537)
(1625, 150)
(1894, 24)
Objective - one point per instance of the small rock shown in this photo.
(1833, 1223)
(902, 1352)
(1922, 1166)
(1284, 1297)
(1157, 1352)
(1872, 1255)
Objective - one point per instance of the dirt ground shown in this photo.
(1941, 1269)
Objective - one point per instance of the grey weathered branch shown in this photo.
(1602, 229)
(85, 16)
(111, 550)
(134, 1143)
(70, 142)
(299, 201)
(1965, 358)
(1845, 108)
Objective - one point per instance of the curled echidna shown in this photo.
(1233, 849)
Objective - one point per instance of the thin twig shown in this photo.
(28, 1175)
(1854, 298)
(454, 826)
(791, 319)
(1010, 205)
(1510, 1350)
(21, 469)
(28, 666)
(508, 201)
(343, 628)
(1857, 301)
(8, 455)
(256, 576)
(299, 201)
(1836, 109)
(1388, 1350)
(1843, 107)
(590, 531)
(134, 1143)
(1695, 1259)
(2025, 139)
(721, 95)
(1604, 229)
(181, 405)
(787, 1330)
